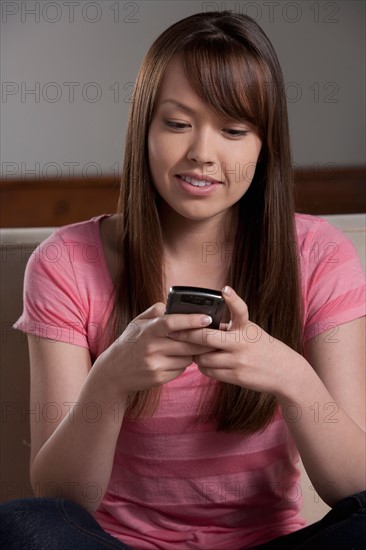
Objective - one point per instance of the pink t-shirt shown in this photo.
(177, 484)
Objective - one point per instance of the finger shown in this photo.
(213, 360)
(215, 365)
(202, 337)
(184, 348)
(156, 310)
(177, 362)
(213, 338)
(173, 322)
(221, 375)
(237, 307)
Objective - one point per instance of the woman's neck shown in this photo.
(197, 253)
(204, 241)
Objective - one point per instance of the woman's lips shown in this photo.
(195, 189)
(197, 177)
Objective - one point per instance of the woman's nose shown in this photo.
(201, 148)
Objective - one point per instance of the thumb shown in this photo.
(238, 308)
(156, 310)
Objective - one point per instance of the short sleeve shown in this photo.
(334, 281)
(52, 306)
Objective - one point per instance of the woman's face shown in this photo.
(187, 140)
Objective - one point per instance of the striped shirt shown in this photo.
(176, 483)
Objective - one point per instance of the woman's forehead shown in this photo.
(175, 86)
(185, 87)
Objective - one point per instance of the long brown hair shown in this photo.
(231, 65)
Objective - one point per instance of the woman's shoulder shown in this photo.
(327, 252)
(72, 237)
(312, 229)
(308, 223)
(67, 285)
(76, 248)
(82, 230)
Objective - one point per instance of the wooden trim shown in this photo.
(44, 203)
(339, 190)
(54, 203)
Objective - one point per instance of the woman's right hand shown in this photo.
(143, 357)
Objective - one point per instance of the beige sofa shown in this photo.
(16, 245)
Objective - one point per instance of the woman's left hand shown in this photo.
(244, 354)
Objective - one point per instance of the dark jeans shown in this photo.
(59, 524)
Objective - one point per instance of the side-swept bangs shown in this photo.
(230, 77)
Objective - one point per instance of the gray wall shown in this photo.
(80, 58)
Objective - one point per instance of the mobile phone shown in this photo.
(193, 299)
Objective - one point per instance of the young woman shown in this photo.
(175, 435)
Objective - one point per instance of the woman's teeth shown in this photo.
(196, 183)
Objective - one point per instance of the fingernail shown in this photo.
(206, 320)
(227, 290)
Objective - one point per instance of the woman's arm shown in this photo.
(324, 407)
(73, 438)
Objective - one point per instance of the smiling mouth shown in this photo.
(195, 182)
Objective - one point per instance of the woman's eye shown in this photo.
(176, 125)
(236, 133)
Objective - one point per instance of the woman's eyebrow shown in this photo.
(189, 110)
(178, 104)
